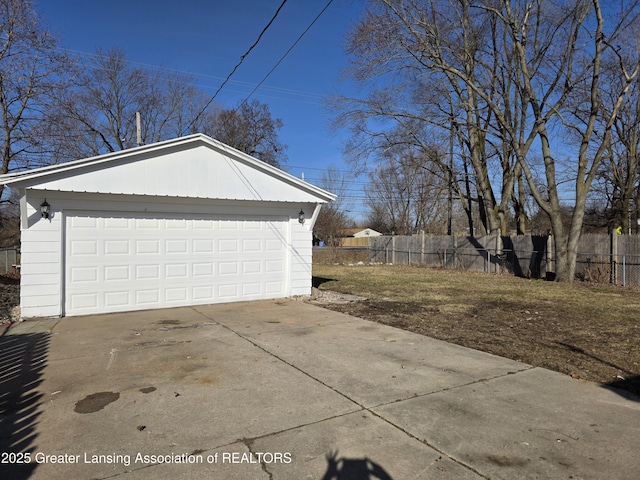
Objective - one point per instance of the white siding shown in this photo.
(301, 253)
(200, 172)
(40, 268)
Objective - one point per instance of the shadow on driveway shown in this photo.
(353, 469)
(627, 387)
(23, 358)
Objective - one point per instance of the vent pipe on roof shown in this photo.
(138, 130)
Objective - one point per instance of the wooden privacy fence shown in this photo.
(355, 242)
(602, 258)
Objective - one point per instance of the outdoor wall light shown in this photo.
(301, 217)
(45, 209)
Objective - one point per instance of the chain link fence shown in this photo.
(619, 269)
(520, 263)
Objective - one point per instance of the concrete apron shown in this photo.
(288, 390)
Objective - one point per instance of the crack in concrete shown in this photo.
(453, 387)
(248, 442)
(367, 409)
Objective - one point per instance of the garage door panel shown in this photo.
(84, 274)
(117, 299)
(274, 245)
(134, 261)
(176, 223)
(147, 223)
(175, 246)
(228, 291)
(117, 247)
(251, 267)
(203, 246)
(203, 293)
(84, 247)
(252, 246)
(229, 225)
(228, 246)
(84, 222)
(179, 295)
(203, 269)
(145, 272)
(176, 270)
(251, 225)
(274, 266)
(147, 247)
(203, 224)
(146, 298)
(84, 301)
(117, 223)
(251, 289)
(273, 287)
(228, 268)
(117, 273)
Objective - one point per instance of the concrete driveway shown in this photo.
(288, 390)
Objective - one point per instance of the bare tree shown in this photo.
(406, 194)
(422, 57)
(568, 58)
(522, 76)
(251, 129)
(617, 182)
(98, 113)
(32, 72)
(333, 219)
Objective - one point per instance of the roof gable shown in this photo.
(196, 166)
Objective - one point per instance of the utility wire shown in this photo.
(285, 54)
(238, 65)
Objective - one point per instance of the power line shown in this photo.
(236, 67)
(194, 76)
(286, 53)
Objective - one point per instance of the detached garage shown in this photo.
(183, 222)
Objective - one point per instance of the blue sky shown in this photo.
(207, 38)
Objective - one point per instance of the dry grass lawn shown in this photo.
(587, 331)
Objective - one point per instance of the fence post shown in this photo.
(488, 261)
(393, 249)
(549, 267)
(613, 251)
(499, 252)
(455, 251)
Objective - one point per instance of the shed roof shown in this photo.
(195, 166)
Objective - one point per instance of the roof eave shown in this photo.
(19, 179)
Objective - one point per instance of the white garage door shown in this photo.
(121, 262)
